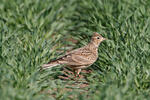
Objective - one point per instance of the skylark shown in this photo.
(79, 58)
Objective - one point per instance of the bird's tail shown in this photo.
(50, 64)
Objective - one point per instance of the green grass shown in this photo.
(33, 31)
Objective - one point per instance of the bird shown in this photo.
(80, 58)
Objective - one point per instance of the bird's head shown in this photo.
(97, 39)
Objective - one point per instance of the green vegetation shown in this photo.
(34, 31)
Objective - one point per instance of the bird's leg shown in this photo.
(78, 72)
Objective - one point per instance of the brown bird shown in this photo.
(79, 58)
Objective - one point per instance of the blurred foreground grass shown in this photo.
(32, 31)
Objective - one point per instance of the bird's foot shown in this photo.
(78, 76)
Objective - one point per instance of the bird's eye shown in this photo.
(97, 37)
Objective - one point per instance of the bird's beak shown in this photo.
(104, 39)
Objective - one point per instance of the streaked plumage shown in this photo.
(79, 58)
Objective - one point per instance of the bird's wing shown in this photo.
(81, 56)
